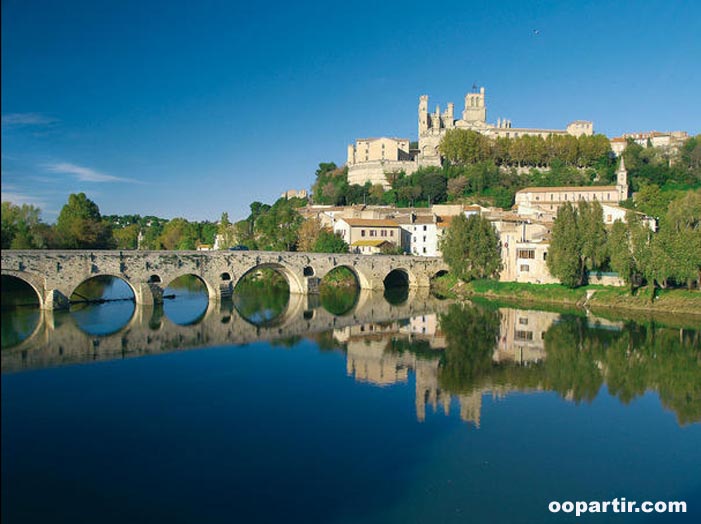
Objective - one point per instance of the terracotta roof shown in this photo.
(564, 189)
(370, 222)
(370, 243)
(472, 208)
(445, 221)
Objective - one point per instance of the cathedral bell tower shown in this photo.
(622, 180)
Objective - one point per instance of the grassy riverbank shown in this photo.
(679, 301)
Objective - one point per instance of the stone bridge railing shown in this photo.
(55, 275)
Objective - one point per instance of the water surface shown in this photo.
(278, 410)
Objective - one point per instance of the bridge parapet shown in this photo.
(55, 275)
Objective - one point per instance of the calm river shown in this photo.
(344, 408)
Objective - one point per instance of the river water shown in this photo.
(343, 409)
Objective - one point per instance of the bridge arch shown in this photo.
(122, 277)
(399, 277)
(211, 289)
(363, 280)
(28, 279)
(293, 281)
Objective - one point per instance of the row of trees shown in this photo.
(672, 256)
(81, 226)
(476, 170)
(463, 147)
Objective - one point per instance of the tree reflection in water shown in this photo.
(262, 296)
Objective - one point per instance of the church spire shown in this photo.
(622, 180)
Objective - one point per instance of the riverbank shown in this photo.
(674, 301)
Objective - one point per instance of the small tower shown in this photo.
(475, 108)
(423, 114)
(351, 154)
(622, 180)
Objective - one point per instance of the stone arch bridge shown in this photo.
(55, 275)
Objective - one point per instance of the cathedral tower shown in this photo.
(475, 108)
(622, 180)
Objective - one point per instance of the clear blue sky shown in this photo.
(193, 108)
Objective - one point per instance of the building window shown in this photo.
(424, 250)
(362, 232)
(525, 253)
(373, 233)
(391, 233)
(424, 228)
(524, 268)
(524, 335)
(424, 239)
(523, 321)
(384, 232)
(545, 255)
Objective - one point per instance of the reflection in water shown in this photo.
(186, 300)
(18, 324)
(456, 351)
(113, 315)
(261, 297)
(268, 430)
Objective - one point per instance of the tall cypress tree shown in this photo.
(565, 254)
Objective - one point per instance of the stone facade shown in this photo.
(366, 235)
(670, 141)
(549, 199)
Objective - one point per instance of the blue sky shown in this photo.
(194, 108)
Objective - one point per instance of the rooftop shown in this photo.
(370, 222)
(369, 243)
(560, 189)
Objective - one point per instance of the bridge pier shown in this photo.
(148, 294)
(54, 299)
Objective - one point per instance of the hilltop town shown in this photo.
(376, 168)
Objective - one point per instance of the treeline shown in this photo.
(477, 169)
(81, 226)
(670, 257)
(277, 227)
(461, 147)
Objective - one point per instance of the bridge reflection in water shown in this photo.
(58, 339)
(458, 353)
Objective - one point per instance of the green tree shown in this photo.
(178, 234)
(22, 227)
(80, 225)
(127, 237)
(677, 248)
(593, 234)
(565, 253)
(278, 228)
(464, 146)
(329, 242)
(309, 232)
(225, 231)
(470, 247)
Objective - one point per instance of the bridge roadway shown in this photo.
(57, 339)
(55, 275)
